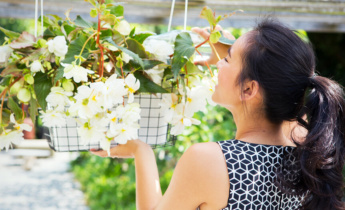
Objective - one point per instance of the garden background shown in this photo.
(110, 183)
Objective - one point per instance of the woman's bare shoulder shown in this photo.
(207, 158)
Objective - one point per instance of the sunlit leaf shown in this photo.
(147, 85)
(10, 34)
(23, 41)
(207, 13)
(33, 109)
(184, 49)
(42, 88)
(79, 21)
(116, 10)
(136, 47)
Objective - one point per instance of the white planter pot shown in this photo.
(153, 129)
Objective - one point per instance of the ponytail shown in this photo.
(321, 154)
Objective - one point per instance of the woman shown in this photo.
(265, 79)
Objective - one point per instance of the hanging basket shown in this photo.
(153, 128)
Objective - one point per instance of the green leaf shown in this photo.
(106, 33)
(59, 74)
(225, 40)
(6, 80)
(79, 21)
(10, 34)
(42, 88)
(48, 34)
(68, 29)
(93, 12)
(131, 34)
(149, 64)
(207, 13)
(136, 47)
(48, 22)
(6, 113)
(147, 85)
(135, 57)
(193, 69)
(116, 10)
(215, 36)
(184, 49)
(33, 109)
(76, 46)
(15, 108)
(140, 37)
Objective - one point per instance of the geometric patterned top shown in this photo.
(252, 172)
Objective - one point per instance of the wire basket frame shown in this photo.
(153, 128)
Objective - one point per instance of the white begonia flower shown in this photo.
(8, 137)
(160, 49)
(58, 98)
(132, 85)
(125, 57)
(115, 90)
(181, 119)
(129, 114)
(5, 53)
(58, 46)
(52, 118)
(91, 132)
(86, 106)
(36, 66)
(156, 74)
(18, 126)
(168, 106)
(123, 132)
(105, 144)
(209, 87)
(78, 73)
(196, 99)
(98, 95)
(123, 28)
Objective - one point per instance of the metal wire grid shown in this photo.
(153, 129)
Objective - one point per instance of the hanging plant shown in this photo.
(91, 73)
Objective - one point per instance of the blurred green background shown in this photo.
(110, 183)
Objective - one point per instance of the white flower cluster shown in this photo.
(14, 136)
(179, 110)
(93, 109)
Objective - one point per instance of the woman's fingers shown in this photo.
(101, 153)
(202, 32)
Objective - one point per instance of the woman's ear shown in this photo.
(250, 90)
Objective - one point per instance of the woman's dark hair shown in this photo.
(284, 67)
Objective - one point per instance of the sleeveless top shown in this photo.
(252, 172)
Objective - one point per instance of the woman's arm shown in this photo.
(200, 177)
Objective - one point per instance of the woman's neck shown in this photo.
(255, 128)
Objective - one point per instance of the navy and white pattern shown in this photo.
(252, 172)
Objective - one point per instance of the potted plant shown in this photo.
(94, 80)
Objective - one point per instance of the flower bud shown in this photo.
(36, 66)
(24, 95)
(29, 79)
(123, 27)
(68, 85)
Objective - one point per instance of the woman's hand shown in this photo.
(128, 150)
(222, 49)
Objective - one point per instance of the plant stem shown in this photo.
(205, 62)
(2, 105)
(185, 68)
(88, 39)
(23, 113)
(214, 49)
(100, 71)
(202, 43)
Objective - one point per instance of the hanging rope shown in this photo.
(36, 10)
(171, 14)
(185, 14)
(36, 17)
